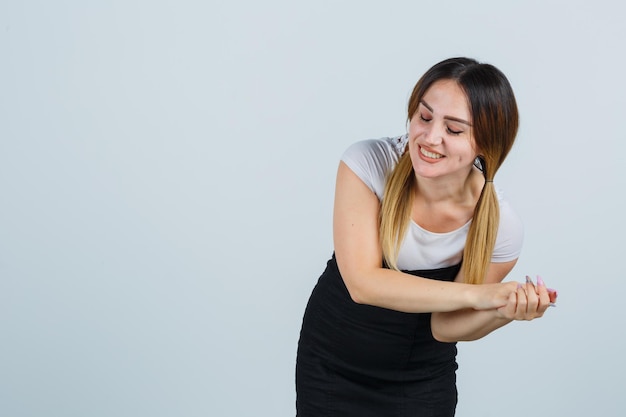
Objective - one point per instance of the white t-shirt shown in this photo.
(371, 160)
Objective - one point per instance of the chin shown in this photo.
(427, 173)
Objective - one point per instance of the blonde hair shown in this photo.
(495, 121)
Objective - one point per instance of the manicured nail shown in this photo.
(528, 280)
(540, 281)
(552, 304)
(519, 286)
(552, 290)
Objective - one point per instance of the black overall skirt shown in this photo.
(360, 360)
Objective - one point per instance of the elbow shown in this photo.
(360, 282)
(442, 337)
(438, 329)
(358, 291)
(357, 295)
(356, 287)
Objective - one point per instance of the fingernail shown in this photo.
(528, 280)
(553, 290)
(540, 281)
(519, 286)
(552, 304)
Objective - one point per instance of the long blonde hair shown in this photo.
(495, 121)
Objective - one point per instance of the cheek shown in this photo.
(467, 154)
(412, 146)
(414, 127)
(413, 150)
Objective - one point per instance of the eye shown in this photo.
(425, 118)
(453, 132)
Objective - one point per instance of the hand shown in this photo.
(529, 302)
(493, 296)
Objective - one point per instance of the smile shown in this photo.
(430, 154)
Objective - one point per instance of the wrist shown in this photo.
(471, 296)
(500, 315)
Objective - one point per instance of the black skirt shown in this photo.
(360, 360)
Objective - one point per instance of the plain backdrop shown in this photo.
(166, 183)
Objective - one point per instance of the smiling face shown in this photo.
(441, 142)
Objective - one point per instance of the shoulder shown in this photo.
(378, 151)
(372, 159)
(510, 232)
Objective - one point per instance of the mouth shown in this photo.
(429, 154)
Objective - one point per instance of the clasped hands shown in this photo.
(529, 301)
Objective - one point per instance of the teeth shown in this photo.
(430, 154)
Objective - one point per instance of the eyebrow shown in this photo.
(454, 119)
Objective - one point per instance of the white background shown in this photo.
(166, 183)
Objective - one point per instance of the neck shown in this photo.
(459, 190)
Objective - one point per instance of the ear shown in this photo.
(479, 163)
(477, 149)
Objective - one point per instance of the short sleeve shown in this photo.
(510, 234)
(372, 160)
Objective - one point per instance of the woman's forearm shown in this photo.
(399, 291)
(403, 292)
(466, 324)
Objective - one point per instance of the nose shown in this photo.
(434, 136)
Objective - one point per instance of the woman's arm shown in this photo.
(528, 302)
(359, 257)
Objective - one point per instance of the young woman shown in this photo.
(417, 224)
